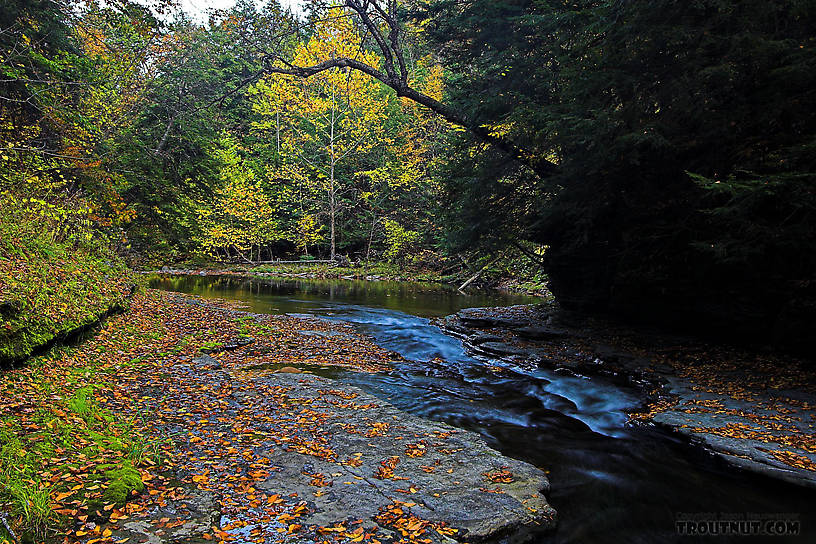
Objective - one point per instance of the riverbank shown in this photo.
(374, 272)
(191, 419)
(754, 410)
(51, 290)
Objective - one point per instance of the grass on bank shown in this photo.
(383, 270)
(55, 277)
(63, 456)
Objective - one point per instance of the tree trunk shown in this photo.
(332, 212)
(163, 141)
(481, 271)
(371, 236)
(332, 191)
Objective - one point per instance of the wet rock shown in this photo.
(323, 334)
(541, 333)
(746, 453)
(197, 509)
(716, 422)
(481, 338)
(383, 454)
(476, 317)
(500, 348)
(205, 363)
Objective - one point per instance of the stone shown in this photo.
(289, 370)
(200, 514)
(476, 317)
(481, 338)
(461, 483)
(500, 348)
(205, 362)
(541, 333)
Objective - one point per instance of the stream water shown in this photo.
(611, 482)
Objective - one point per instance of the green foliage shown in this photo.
(240, 218)
(17, 485)
(52, 280)
(626, 97)
(400, 242)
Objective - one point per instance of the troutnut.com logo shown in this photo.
(737, 524)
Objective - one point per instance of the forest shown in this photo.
(648, 164)
(655, 162)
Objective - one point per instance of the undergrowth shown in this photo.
(53, 279)
(59, 445)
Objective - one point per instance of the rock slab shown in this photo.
(384, 454)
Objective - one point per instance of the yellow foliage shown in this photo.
(329, 116)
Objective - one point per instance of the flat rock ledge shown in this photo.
(444, 470)
(382, 459)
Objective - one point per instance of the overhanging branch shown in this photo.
(397, 79)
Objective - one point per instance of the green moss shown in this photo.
(209, 346)
(52, 286)
(81, 405)
(121, 483)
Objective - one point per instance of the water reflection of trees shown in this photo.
(409, 297)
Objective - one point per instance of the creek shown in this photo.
(611, 481)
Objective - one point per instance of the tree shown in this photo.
(240, 219)
(309, 233)
(197, 92)
(634, 97)
(380, 19)
(329, 121)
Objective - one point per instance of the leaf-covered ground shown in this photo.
(168, 424)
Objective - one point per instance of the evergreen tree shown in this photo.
(683, 134)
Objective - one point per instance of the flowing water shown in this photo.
(611, 482)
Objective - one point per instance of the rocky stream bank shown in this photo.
(756, 411)
(265, 447)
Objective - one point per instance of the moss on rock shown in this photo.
(121, 483)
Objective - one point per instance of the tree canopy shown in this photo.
(654, 159)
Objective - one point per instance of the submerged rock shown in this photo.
(288, 370)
